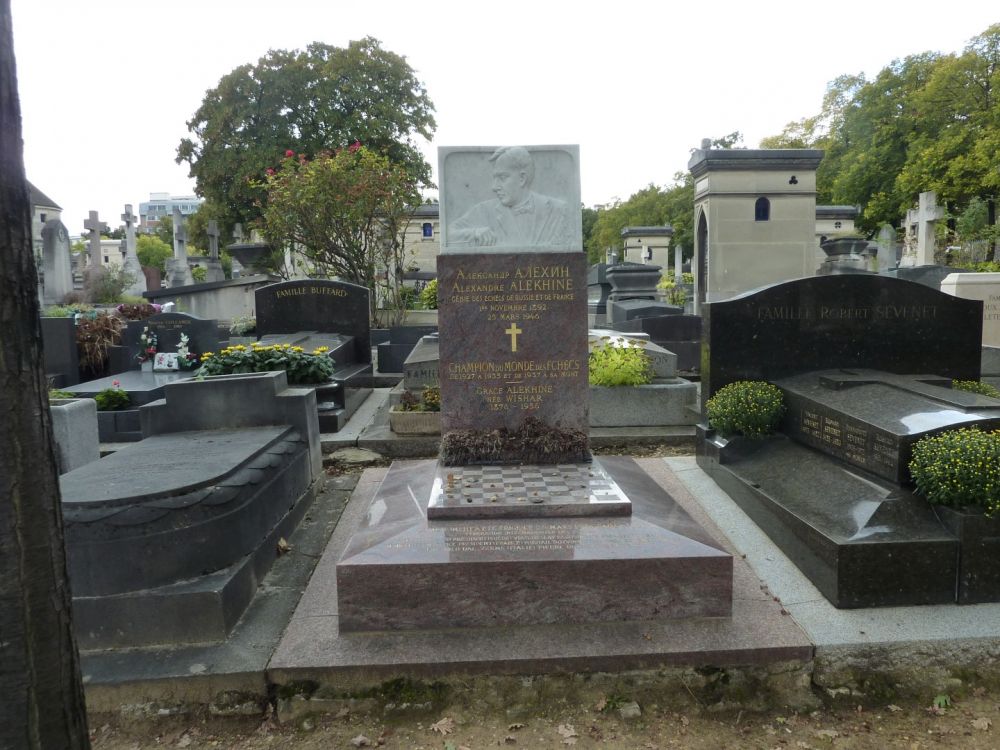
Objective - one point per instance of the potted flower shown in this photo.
(147, 349)
(739, 416)
(958, 471)
(302, 367)
(186, 359)
(415, 415)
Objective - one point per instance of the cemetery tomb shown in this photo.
(832, 489)
(168, 539)
(516, 523)
(315, 312)
(145, 386)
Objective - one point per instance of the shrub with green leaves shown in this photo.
(975, 386)
(616, 364)
(112, 399)
(429, 295)
(57, 395)
(959, 468)
(747, 407)
(301, 366)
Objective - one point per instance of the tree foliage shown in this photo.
(346, 214)
(153, 252)
(927, 122)
(651, 206)
(307, 101)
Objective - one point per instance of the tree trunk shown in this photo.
(42, 704)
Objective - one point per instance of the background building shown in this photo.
(163, 204)
(43, 208)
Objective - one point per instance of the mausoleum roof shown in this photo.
(753, 159)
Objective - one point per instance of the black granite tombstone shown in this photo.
(203, 335)
(864, 364)
(316, 305)
(824, 322)
(62, 359)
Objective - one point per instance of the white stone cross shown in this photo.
(928, 212)
(132, 265)
(96, 226)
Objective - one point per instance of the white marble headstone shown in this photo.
(510, 199)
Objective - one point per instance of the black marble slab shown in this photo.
(863, 541)
(872, 419)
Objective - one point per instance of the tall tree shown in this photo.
(955, 152)
(346, 214)
(306, 101)
(43, 704)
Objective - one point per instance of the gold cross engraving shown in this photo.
(512, 332)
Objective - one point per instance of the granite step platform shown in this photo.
(314, 647)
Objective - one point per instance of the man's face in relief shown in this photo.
(509, 184)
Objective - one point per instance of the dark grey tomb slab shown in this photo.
(872, 419)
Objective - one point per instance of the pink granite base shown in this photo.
(403, 572)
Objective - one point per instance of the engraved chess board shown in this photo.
(526, 491)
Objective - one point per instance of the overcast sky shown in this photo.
(107, 86)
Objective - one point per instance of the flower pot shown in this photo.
(146, 365)
(415, 422)
(978, 553)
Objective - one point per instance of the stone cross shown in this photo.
(180, 235)
(928, 212)
(96, 226)
(132, 265)
(178, 272)
(213, 239)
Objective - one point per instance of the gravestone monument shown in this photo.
(56, 262)
(214, 270)
(865, 365)
(94, 227)
(514, 524)
(132, 265)
(920, 230)
(315, 312)
(512, 304)
(178, 271)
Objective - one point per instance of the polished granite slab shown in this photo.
(526, 491)
(403, 571)
(872, 419)
(313, 647)
(862, 540)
